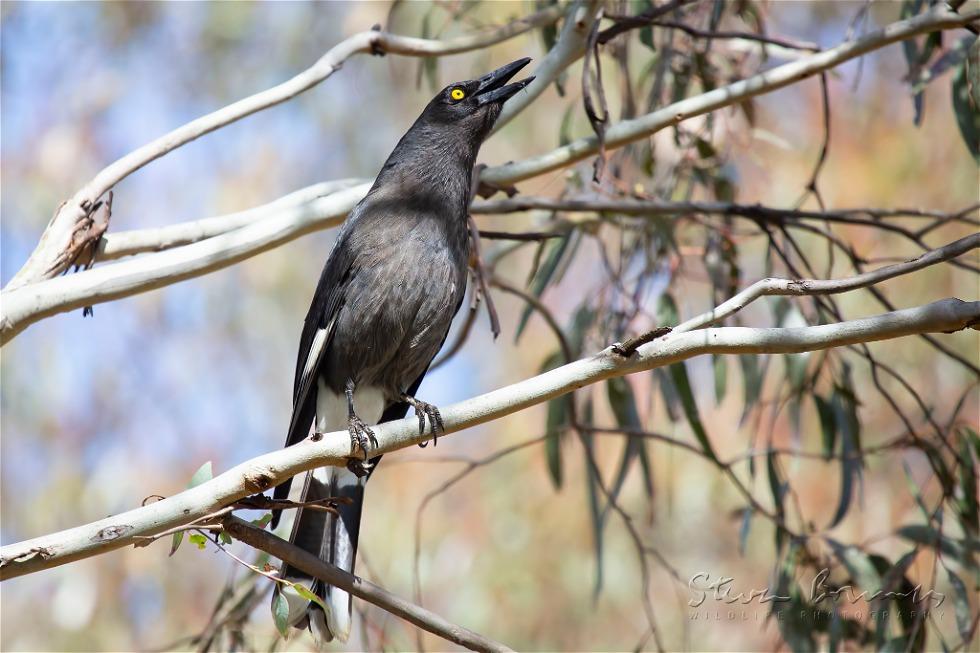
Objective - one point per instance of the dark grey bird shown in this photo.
(381, 311)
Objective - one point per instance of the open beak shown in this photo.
(493, 86)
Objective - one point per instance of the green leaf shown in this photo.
(667, 314)
(796, 630)
(777, 487)
(828, 426)
(950, 59)
(973, 72)
(565, 130)
(928, 536)
(962, 605)
(305, 592)
(844, 406)
(202, 475)
(752, 379)
(549, 32)
(669, 393)
(743, 530)
(225, 538)
(280, 612)
(556, 250)
(175, 542)
(555, 426)
(646, 32)
(967, 114)
(719, 365)
(199, 540)
(893, 579)
(623, 404)
(582, 321)
(595, 512)
(678, 373)
(705, 149)
(858, 565)
(967, 507)
(263, 521)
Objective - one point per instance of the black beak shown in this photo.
(492, 85)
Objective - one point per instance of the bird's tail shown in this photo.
(332, 538)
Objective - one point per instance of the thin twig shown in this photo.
(310, 564)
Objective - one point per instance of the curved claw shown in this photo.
(425, 411)
(361, 436)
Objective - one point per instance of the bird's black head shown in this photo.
(474, 105)
(433, 161)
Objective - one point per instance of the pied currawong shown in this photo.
(388, 292)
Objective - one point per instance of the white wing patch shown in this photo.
(313, 358)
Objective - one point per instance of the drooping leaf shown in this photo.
(280, 613)
(549, 32)
(225, 537)
(719, 364)
(646, 32)
(961, 602)
(893, 579)
(743, 530)
(202, 475)
(595, 512)
(556, 422)
(678, 373)
(555, 426)
(565, 130)
(828, 426)
(858, 565)
(929, 536)
(199, 540)
(623, 404)
(556, 249)
(949, 60)
(972, 64)
(967, 507)
(795, 628)
(175, 541)
(967, 113)
(752, 378)
(778, 488)
(844, 405)
(305, 592)
(671, 401)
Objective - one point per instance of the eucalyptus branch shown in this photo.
(769, 287)
(22, 306)
(310, 564)
(266, 471)
(936, 19)
(57, 235)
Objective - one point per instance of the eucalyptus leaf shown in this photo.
(202, 475)
(967, 113)
(280, 613)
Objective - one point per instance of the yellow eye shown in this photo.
(457, 94)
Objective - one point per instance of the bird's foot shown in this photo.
(361, 436)
(425, 411)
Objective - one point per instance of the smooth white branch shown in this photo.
(25, 305)
(266, 471)
(56, 237)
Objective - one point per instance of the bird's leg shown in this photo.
(426, 411)
(360, 434)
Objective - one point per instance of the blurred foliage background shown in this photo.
(98, 413)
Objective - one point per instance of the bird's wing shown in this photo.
(318, 331)
(304, 406)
